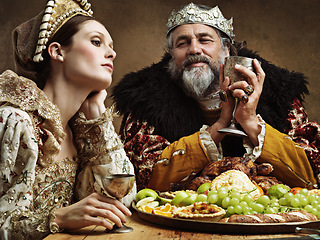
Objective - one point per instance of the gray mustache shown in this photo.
(194, 59)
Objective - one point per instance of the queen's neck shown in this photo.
(67, 99)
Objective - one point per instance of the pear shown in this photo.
(188, 200)
(179, 197)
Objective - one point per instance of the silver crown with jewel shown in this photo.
(191, 13)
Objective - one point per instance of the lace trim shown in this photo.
(254, 152)
(53, 226)
(214, 153)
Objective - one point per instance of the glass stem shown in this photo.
(233, 120)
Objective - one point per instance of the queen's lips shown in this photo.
(109, 66)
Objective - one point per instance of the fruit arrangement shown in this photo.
(278, 199)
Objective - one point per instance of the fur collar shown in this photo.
(150, 94)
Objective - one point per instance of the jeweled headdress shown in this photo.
(191, 13)
(57, 13)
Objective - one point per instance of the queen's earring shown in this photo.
(60, 58)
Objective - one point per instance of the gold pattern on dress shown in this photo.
(54, 185)
(22, 92)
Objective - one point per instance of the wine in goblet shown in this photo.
(234, 76)
(118, 186)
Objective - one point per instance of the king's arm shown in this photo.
(294, 155)
(158, 162)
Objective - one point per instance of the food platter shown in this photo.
(225, 228)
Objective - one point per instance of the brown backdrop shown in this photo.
(285, 32)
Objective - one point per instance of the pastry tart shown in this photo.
(171, 195)
(201, 211)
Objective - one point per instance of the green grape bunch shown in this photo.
(279, 198)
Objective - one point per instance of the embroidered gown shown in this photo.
(33, 184)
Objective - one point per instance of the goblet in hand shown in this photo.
(118, 186)
(234, 76)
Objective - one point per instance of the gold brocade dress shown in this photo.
(32, 184)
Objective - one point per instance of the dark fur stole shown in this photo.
(150, 94)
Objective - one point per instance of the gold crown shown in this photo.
(57, 13)
(191, 13)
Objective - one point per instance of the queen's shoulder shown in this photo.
(12, 113)
(8, 73)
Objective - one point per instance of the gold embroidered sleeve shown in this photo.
(100, 153)
(18, 157)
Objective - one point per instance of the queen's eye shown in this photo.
(96, 43)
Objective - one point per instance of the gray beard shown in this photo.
(196, 82)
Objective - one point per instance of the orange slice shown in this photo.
(165, 208)
(147, 209)
(159, 212)
(261, 192)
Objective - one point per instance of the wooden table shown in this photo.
(144, 230)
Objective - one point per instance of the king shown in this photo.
(172, 110)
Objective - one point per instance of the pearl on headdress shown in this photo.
(44, 25)
(87, 6)
(48, 10)
(42, 34)
(51, 3)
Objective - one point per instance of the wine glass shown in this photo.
(118, 186)
(234, 75)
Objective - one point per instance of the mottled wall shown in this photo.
(286, 32)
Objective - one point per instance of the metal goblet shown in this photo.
(118, 186)
(234, 75)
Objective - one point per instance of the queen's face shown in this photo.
(88, 61)
(196, 39)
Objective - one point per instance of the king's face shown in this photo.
(196, 39)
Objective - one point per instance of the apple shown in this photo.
(188, 200)
(204, 187)
(147, 192)
(163, 201)
(277, 191)
(178, 198)
(147, 201)
(153, 204)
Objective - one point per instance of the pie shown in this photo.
(201, 211)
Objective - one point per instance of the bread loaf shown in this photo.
(294, 216)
